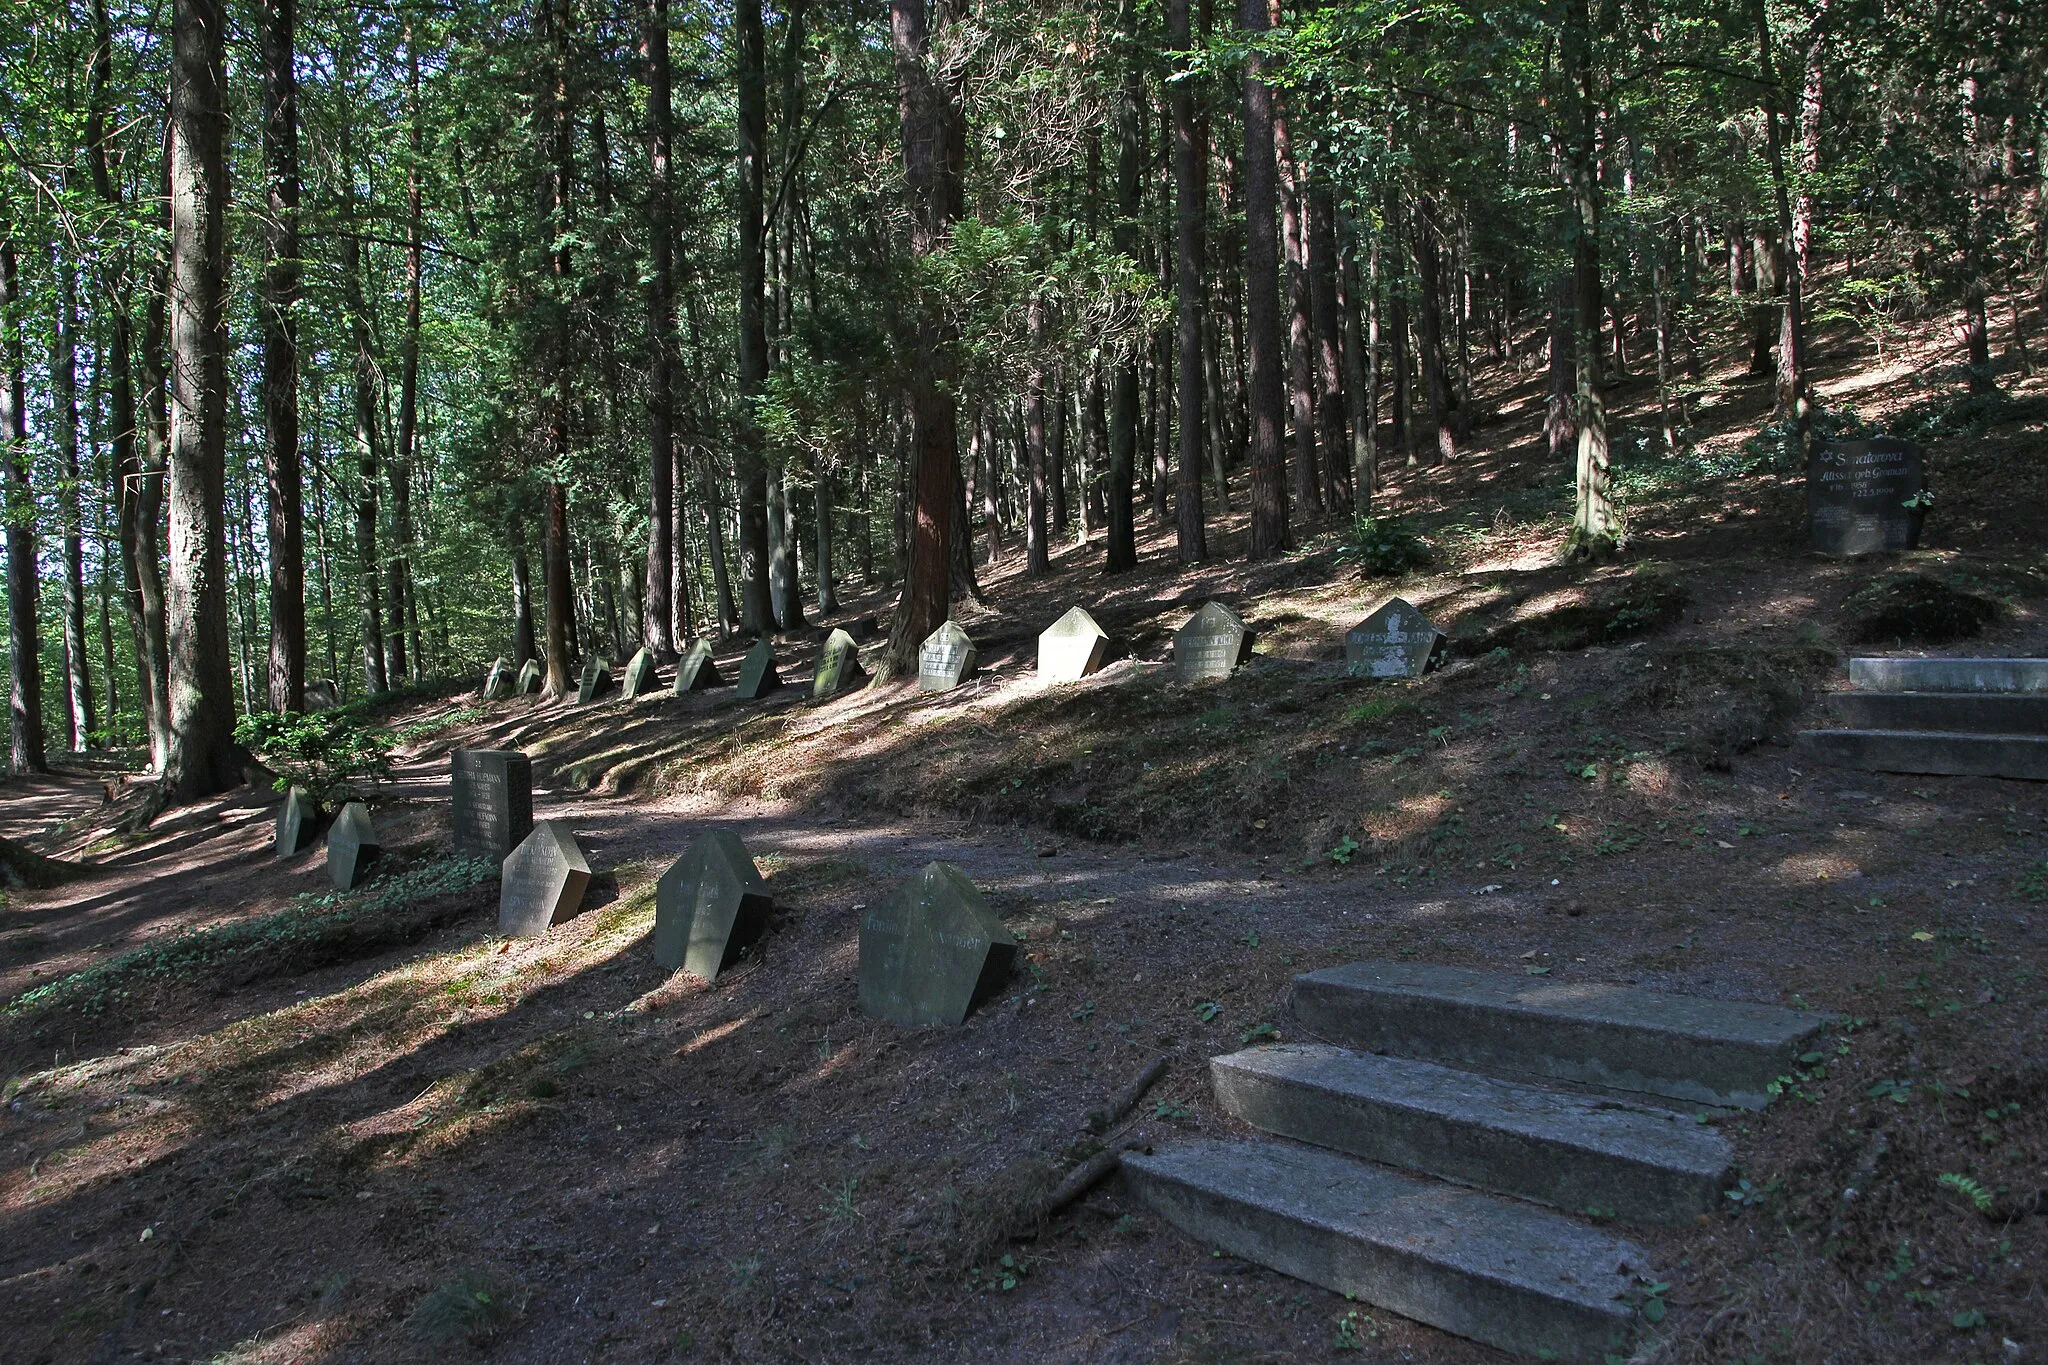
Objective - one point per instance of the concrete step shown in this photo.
(1510, 1275)
(1575, 1151)
(1721, 1052)
(1929, 751)
(1949, 675)
(1979, 713)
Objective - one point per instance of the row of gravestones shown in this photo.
(353, 847)
(929, 952)
(838, 671)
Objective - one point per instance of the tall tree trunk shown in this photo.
(1595, 529)
(1560, 415)
(522, 608)
(1322, 294)
(1190, 205)
(828, 590)
(1791, 398)
(78, 707)
(1037, 552)
(1308, 484)
(1122, 548)
(1429, 269)
(714, 541)
(658, 637)
(151, 489)
(1263, 384)
(558, 385)
(286, 673)
(757, 614)
(24, 639)
(369, 573)
(404, 612)
(1361, 379)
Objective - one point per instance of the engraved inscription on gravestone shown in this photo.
(838, 667)
(757, 671)
(596, 681)
(352, 846)
(542, 881)
(1071, 648)
(498, 682)
(709, 907)
(492, 800)
(944, 659)
(932, 950)
(1397, 641)
(640, 674)
(1212, 644)
(1865, 497)
(296, 820)
(696, 672)
(529, 678)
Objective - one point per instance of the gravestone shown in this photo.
(640, 675)
(696, 671)
(1071, 648)
(296, 821)
(529, 678)
(757, 671)
(492, 800)
(352, 846)
(322, 696)
(1212, 644)
(1397, 641)
(498, 682)
(709, 907)
(838, 667)
(596, 681)
(542, 881)
(944, 659)
(1864, 497)
(932, 950)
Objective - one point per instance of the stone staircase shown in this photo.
(1962, 717)
(1433, 1075)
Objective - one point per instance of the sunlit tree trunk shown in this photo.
(1263, 383)
(1595, 530)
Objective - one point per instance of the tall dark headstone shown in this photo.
(1397, 641)
(492, 791)
(352, 846)
(709, 907)
(944, 659)
(498, 682)
(542, 881)
(1212, 644)
(696, 671)
(297, 821)
(839, 667)
(1071, 648)
(1865, 497)
(757, 671)
(932, 950)
(529, 678)
(596, 681)
(640, 674)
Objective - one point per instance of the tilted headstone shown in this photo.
(944, 659)
(696, 671)
(596, 681)
(1865, 497)
(757, 671)
(322, 696)
(1071, 648)
(529, 677)
(1212, 644)
(932, 950)
(640, 675)
(709, 907)
(542, 881)
(352, 846)
(492, 805)
(498, 682)
(297, 820)
(839, 667)
(1397, 641)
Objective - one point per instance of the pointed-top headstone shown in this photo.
(839, 667)
(498, 682)
(757, 671)
(492, 800)
(352, 846)
(596, 681)
(529, 678)
(542, 881)
(640, 674)
(1397, 641)
(709, 907)
(1071, 648)
(296, 821)
(696, 671)
(1212, 644)
(932, 950)
(945, 658)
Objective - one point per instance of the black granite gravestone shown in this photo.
(297, 820)
(1397, 641)
(757, 671)
(1865, 497)
(498, 682)
(529, 678)
(839, 667)
(1071, 648)
(932, 950)
(641, 677)
(944, 659)
(492, 801)
(709, 907)
(696, 671)
(1212, 644)
(542, 881)
(352, 846)
(596, 681)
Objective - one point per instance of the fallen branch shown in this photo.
(1102, 1120)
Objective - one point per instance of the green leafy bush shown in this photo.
(326, 754)
(1382, 547)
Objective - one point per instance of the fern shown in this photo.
(1979, 1197)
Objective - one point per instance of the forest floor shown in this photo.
(250, 1120)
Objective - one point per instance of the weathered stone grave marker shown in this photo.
(1865, 497)
(493, 800)
(498, 682)
(944, 659)
(757, 671)
(696, 671)
(932, 950)
(352, 846)
(596, 681)
(1071, 648)
(542, 881)
(529, 678)
(641, 677)
(296, 821)
(839, 667)
(322, 696)
(1212, 644)
(1397, 641)
(709, 907)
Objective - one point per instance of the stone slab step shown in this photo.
(1930, 751)
(1510, 1275)
(1949, 675)
(1721, 1052)
(1578, 1152)
(1982, 713)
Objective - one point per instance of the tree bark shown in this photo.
(286, 673)
(1121, 551)
(78, 707)
(1595, 530)
(1361, 380)
(1308, 487)
(522, 609)
(1322, 295)
(657, 619)
(401, 663)
(1190, 205)
(1263, 383)
(1429, 269)
(1791, 396)
(557, 386)
(757, 613)
(151, 489)
(24, 639)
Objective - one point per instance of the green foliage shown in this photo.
(1383, 547)
(325, 754)
(1775, 449)
(2033, 883)
(1979, 1197)
(473, 1307)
